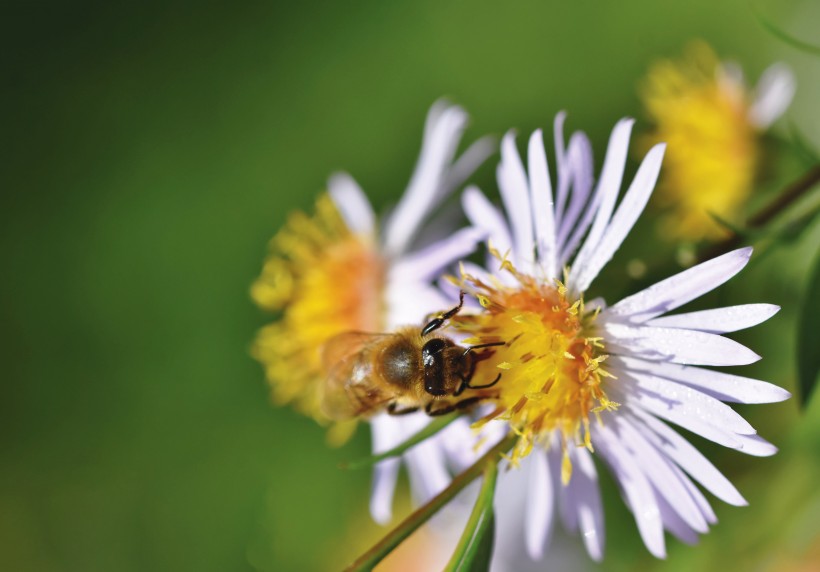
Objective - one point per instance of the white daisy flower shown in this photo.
(338, 272)
(583, 379)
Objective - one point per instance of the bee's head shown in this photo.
(445, 366)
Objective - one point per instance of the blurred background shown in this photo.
(149, 152)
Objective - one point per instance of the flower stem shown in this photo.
(479, 529)
(405, 528)
(429, 430)
(789, 195)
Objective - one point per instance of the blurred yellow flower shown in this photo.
(325, 280)
(711, 122)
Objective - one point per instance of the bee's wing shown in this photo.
(351, 388)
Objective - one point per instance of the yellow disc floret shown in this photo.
(552, 378)
(702, 113)
(324, 280)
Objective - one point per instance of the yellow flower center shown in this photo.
(712, 151)
(324, 280)
(552, 379)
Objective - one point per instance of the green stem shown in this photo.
(431, 429)
(480, 520)
(405, 528)
(789, 195)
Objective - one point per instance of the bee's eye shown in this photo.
(432, 360)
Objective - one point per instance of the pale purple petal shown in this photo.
(641, 401)
(540, 507)
(690, 459)
(756, 446)
(458, 441)
(483, 214)
(386, 434)
(694, 492)
(682, 400)
(659, 472)
(773, 94)
(723, 386)
(609, 186)
(637, 491)
(542, 205)
(681, 288)
(688, 347)
(512, 182)
(443, 131)
(561, 166)
(467, 163)
(427, 470)
(622, 221)
(719, 320)
(426, 264)
(352, 204)
(586, 497)
(673, 522)
(576, 172)
(582, 208)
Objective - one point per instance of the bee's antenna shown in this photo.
(439, 320)
(481, 346)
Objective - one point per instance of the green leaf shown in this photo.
(431, 429)
(808, 336)
(475, 549)
(785, 36)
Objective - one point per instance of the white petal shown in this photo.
(723, 386)
(688, 347)
(458, 442)
(352, 204)
(482, 214)
(659, 472)
(682, 401)
(386, 435)
(639, 401)
(409, 302)
(582, 207)
(542, 205)
(540, 505)
(512, 182)
(622, 222)
(773, 94)
(467, 163)
(426, 464)
(561, 166)
(756, 446)
(426, 264)
(587, 501)
(609, 186)
(681, 288)
(673, 522)
(443, 131)
(719, 320)
(694, 492)
(690, 459)
(638, 492)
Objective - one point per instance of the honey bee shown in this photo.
(405, 371)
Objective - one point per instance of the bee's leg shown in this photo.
(486, 385)
(393, 409)
(439, 320)
(450, 407)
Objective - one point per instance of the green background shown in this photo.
(149, 152)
